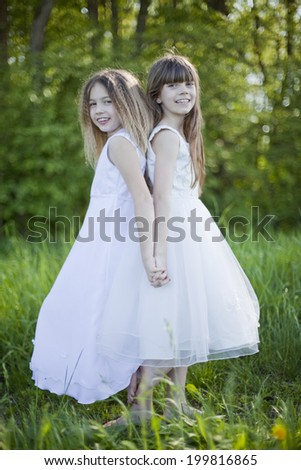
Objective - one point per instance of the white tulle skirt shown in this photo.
(65, 359)
(208, 311)
(102, 319)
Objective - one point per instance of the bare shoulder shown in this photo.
(165, 137)
(120, 147)
(120, 142)
(123, 154)
(166, 142)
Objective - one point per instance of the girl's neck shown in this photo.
(109, 134)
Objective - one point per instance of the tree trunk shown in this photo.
(141, 22)
(93, 11)
(115, 23)
(93, 15)
(257, 48)
(218, 5)
(291, 10)
(3, 33)
(40, 21)
(39, 24)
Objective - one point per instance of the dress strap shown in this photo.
(123, 133)
(157, 129)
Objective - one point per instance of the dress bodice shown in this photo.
(184, 173)
(108, 180)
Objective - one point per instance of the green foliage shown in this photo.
(249, 64)
(248, 403)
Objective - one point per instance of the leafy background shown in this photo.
(248, 56)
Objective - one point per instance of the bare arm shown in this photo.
(123, 155)
(166, 147)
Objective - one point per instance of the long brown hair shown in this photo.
(174, 68)
(130, 102)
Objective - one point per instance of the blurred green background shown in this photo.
(248, 55)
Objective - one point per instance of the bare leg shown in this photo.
(142, 406)
(176, 402)
(150, 377)
(176, 391)
(178, 378)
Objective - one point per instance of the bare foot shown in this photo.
(136, 416)
(121, 421)
(173, 411)
(190, 411)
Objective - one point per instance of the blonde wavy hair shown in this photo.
(174, 68)
(129, 99)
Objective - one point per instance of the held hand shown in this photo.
(157, 276)
(160, 277)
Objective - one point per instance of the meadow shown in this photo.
(248, 403)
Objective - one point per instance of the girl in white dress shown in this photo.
(115, 123)
(209, 309)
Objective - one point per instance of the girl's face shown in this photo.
(177, 98)
(102, 111)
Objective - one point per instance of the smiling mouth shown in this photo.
(183, 100)
(103, 120)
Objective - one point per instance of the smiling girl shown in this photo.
(212, 309)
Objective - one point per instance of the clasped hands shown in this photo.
(157, 274)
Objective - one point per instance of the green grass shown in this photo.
(249, 403)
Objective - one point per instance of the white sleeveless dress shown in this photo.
(208, 311)
(65, 359)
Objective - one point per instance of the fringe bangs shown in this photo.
(174, 72)
(177, 69)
